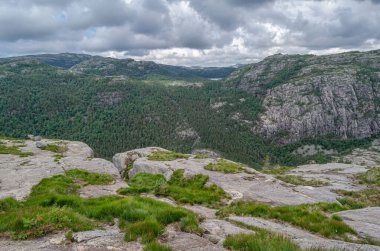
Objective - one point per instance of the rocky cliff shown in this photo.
(306, 95)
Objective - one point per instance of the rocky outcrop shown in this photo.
(302, 238)
(315, 95)
(19, 174)
(364, 221)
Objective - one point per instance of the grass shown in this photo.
(55, 148)
(181, 189)
(260, 241)
(278, 170)
(58, 157)
(300, 181)
(167, 156)
(155, 246)
(54, 204)
(359, 199)
(14, 150)
(90, 178)
(225, 167)
(312, 217)
(371, 177)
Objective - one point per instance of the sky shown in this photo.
(195, 32)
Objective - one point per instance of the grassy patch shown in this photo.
(179, 188)
(259, 241)
(6, 138)
(55, 148)
(55, 205)
(359, 199)
(371, 177)
(155, 246)
(278, 170)
(13, 150)
(167, 156)
(300, 181)
(57, 157)
(312, 217)
(90, 178)
(201, 156)
(225, 167)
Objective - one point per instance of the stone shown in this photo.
(364, 221)
(303, 238)
(41, 144)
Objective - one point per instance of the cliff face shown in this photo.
(315, 95)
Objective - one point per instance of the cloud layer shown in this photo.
(196, 32)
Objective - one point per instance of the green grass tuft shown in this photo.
(167, 156)
(14, 150)
(371, 177)
(359, 199)
(225, 167)
(155, 246)
(181, 189)
(55, 148)
(312, 217)
(54, 204)
(300, 181)
(278, 170)
(90, 178)
(261, 241)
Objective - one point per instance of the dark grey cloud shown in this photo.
(206, 32)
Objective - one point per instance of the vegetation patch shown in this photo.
(225, 167)
(155, 246)
(277, 170)
(89, 178)
(167, 156)
(259, 241)
(312, 217)
(371, 177)
(55, 148)
(359, 199)
(181, 189)
(14, 150)
(300, 181)
(54, 205)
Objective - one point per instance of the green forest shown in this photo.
(113, 114)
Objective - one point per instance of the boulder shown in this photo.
(121, 160)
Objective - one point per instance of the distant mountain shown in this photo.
(307, 95)
(127, 67)
(260, 113)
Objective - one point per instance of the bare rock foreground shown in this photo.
(19, 174)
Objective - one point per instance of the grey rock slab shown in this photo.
(219, 229)
(365, 221)
(94, 191)
(41, 244)
(180, 241)
(301, 237)
(19, 174)
(255, 187)
(121, 160)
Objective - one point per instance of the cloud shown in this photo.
(196, 32)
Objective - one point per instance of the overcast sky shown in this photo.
(195, 32)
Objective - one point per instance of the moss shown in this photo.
(278, 170)
(14, 150)
(179, 188)
(312, 217)
(167, 156)
(225, 167)
(55, 148)
(300, 181)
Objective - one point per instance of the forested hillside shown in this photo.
(77, 100)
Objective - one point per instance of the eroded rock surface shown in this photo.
(366, 221)
(19, 174)
(303, 238)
